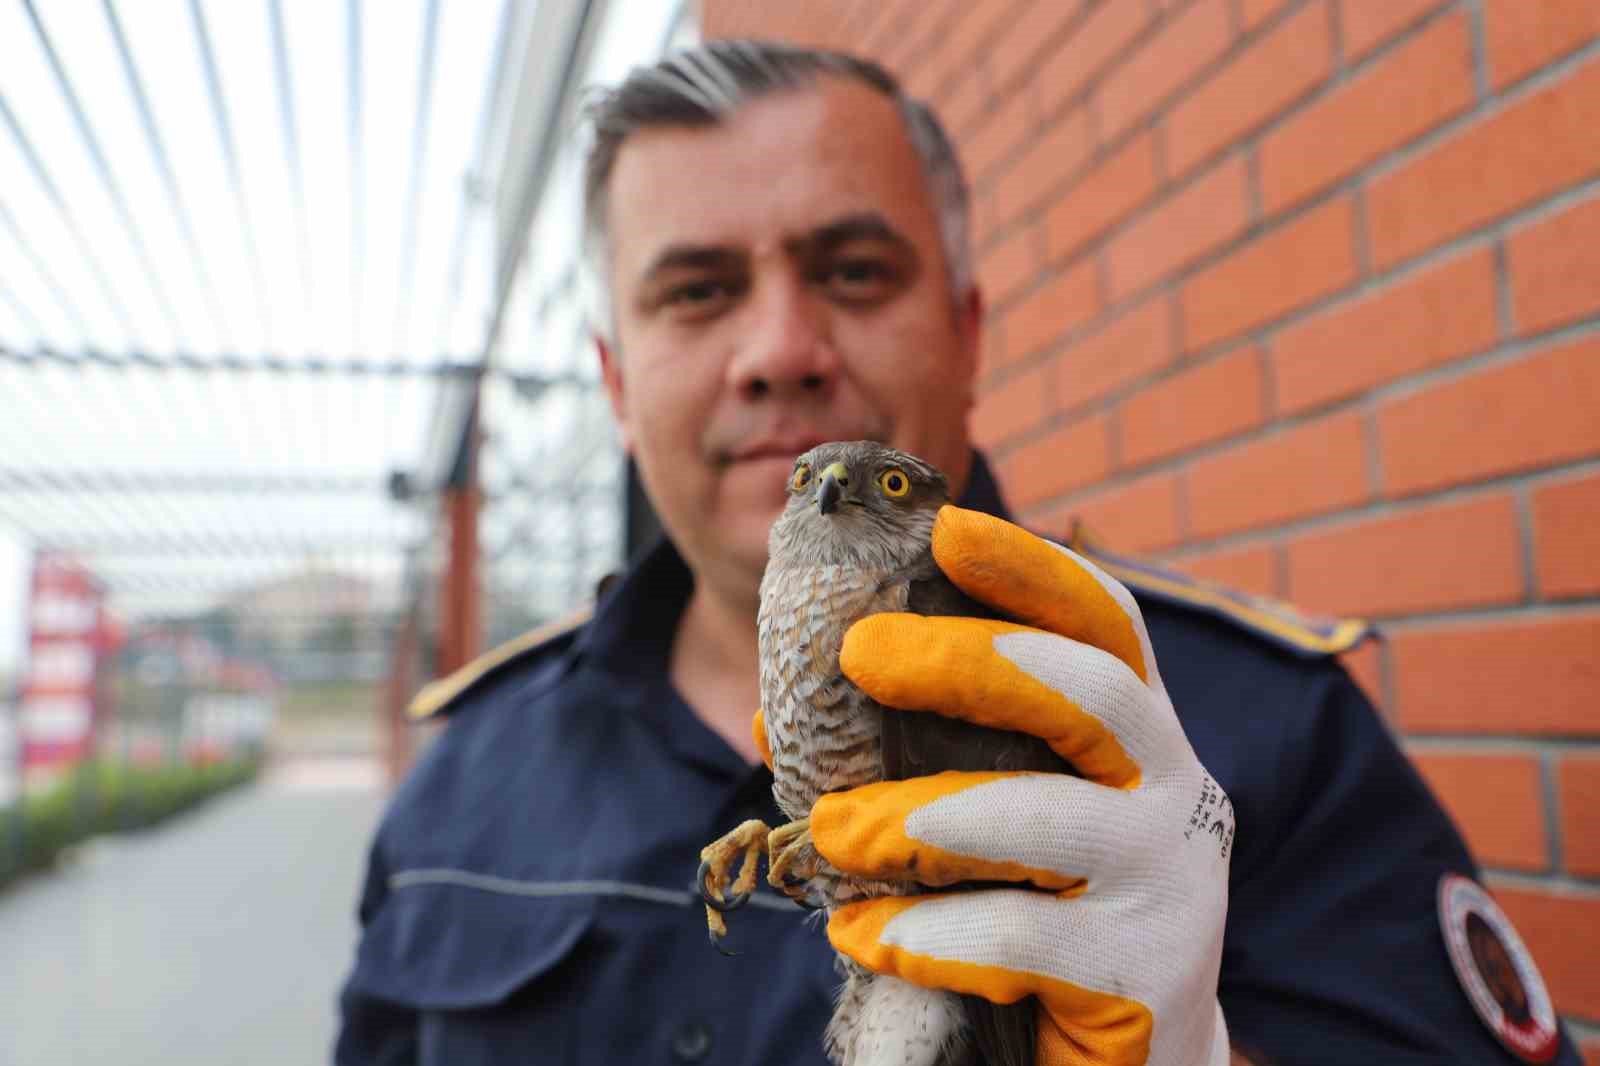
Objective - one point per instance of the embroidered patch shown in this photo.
(1496, 971)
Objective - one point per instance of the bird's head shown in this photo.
(858, 503)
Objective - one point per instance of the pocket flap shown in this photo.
(451, 940)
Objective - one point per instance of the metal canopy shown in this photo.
(256, 256)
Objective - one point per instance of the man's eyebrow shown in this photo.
(692, 257)
(864, 225)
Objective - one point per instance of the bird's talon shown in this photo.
(712, 880)
(713, 898)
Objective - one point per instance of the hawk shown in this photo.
(853, 540)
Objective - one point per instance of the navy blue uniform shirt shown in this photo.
(528, 896)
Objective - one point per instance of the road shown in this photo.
(218, 938)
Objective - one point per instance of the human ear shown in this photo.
(611, 375)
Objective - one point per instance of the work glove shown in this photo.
(1120, 937)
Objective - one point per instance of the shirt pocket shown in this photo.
(453, 941)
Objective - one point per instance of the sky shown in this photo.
(316, 216)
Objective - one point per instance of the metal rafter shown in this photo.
(230, 155)
(178, 482)
(199, 546)
(158, 151)
(291, 145)
(41, 173)
(233, 363)
(419, 147)
(358, 181)
(113, 188)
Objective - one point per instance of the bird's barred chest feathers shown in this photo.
(824, 732)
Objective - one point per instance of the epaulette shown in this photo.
(437, 696)
(1272, 620)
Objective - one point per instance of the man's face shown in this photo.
(778, 281)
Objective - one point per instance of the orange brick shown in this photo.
(962, 107)
(1563, 933)
(1564, 537)
(1452, 555)
(1126, 350)
(888, 28)
(986, 218)
(1293, 265)
(1002, 132)
(939, 55)
(1523, 37)
(1431, 318)
(1496, 802)
(1108, 30)
(1141, 516)
(1211, 211)
(1517, 416)
(1483, 172)
(1253, 569)
(1050, 311)
(1014, 407)
(1053, 158)
(1590, 1050)
(1271, 74)
(1413, 89)
(1152, 74)
(981, 20)
(1528, 677)
(1364, 663)
(1208, 403)
(1064, 459)
(1294, 473)
(1365, 25)
(900, 47)
(1578, 797)
(1555, 268)
(1255, 12)
(1009, 267)
(1103, 198)
(1028, 32)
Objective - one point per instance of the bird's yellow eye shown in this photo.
(894, 482)
(802, 476)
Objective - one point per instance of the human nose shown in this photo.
(786, 347)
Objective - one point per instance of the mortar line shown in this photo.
(1552, 811)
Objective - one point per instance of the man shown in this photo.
(778, 243)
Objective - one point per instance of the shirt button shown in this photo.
(693, 1042)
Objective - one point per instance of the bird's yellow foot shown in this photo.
(716, 863)
(792, 860)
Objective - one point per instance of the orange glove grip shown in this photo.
(1010, 569)
(950, 666)
(758, 733)
(1076, 1024)
(863, 832)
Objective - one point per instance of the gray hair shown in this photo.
(702, 86)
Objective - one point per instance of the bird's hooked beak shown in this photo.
(831, 487)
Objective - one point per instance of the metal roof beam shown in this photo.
(158, 150)
(230, 155)
(113, 188)
(18, 480)
(235, 363)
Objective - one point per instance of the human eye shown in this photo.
(859, 279)
(698, 298)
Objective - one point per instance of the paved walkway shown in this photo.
(219, 938)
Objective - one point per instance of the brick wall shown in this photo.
(1304, 296)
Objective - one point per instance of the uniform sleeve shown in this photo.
(374, 1032)
(1334, 952)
